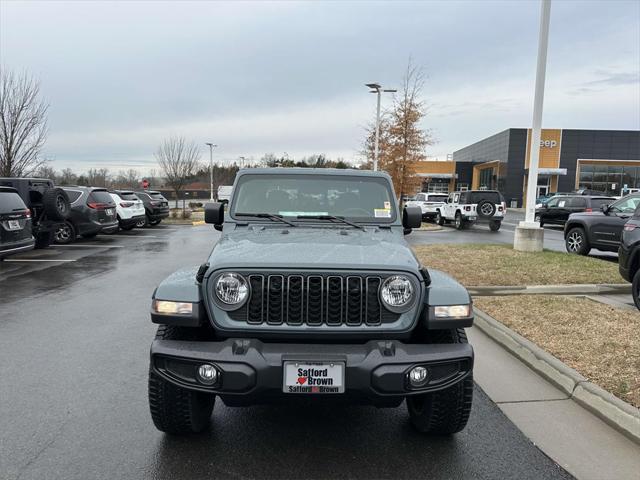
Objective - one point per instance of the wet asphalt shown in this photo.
(74, 340)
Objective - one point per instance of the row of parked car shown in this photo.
(35, 213)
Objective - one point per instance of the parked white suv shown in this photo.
(129, 208)
(429, 203)
(472, 206)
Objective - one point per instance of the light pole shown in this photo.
(376, 88)
(242, 159)
(529, 236)
(211, 147)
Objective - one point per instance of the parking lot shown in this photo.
(74, 340)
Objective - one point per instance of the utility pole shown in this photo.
(529, 236)
(376, 88)
(211, 147)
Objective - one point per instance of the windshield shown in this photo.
(359, 198)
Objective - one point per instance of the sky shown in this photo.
(275, 77)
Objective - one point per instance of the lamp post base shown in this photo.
(529, 237)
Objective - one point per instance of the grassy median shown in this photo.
(599, 341)
(491, 265)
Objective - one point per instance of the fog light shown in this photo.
(207, 374)
(418, 376)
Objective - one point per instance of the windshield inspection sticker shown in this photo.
(387, 205)
(382, 212)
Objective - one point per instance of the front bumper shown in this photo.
(251, 371)
(17, 247)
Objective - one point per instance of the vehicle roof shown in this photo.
(316, 171)
(147, 191)
(476, 191)
(8, 189)
(80, 187)
(126, 192)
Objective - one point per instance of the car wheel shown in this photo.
(142, 223)
(44, 239)
(494, 226)
(64, 234)
(446, 411)
(459, 221)
(174, 409)
(486, 209)
(635, 289)
(576, 242)
(439, 218)
(56, 204)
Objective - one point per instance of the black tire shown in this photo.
(143, 223)
(56, 204)
(90, 235)
(176, 410)
(44, 239)
(635, 289)
(576, 242)
(486, 209)
(65, 233)
(459, 222)
(494, 226)
(439, 218)
(447, 411)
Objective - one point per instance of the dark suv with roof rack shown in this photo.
(312, 291)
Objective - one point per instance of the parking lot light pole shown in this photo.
(529, 236)
(211, 147)
(376, 88)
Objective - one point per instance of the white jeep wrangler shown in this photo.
(472, 206)
(429, 203)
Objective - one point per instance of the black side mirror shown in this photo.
(545, 205)
(214, 213)
(605, 208)
(411, 218)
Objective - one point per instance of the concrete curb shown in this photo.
(578, 289)
(612, 410)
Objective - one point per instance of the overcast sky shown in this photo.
(274, 77)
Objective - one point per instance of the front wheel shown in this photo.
(576, 242)
(635, 289)
(65, 234)
(447, 411)
(494, 226)
(459, 221)
(176, 410)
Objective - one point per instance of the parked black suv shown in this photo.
(15, 223)
(601, 229)
(92, 211)
(49, 205)
(155, 205)
(557, 210)
(629, 254)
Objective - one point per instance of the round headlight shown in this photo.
(397, 293)
(232, 289)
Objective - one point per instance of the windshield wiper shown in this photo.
(270, 216)
(332, 218)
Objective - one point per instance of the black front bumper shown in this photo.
(251, 371)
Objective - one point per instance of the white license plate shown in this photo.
(472, 218)
(313, 377)
(14, 225)
(110, 212)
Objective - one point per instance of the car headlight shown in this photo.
(231, 289)
(452, 311)
(165, 307)
(397, 293)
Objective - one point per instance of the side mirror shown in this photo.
(545, 205)
(411, 218)
(214, 213)
(605, 208)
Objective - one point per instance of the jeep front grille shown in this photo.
(313, 300)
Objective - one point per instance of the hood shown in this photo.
(309, 248)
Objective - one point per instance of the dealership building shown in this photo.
(606, 161)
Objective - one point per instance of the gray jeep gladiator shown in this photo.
(311, 291)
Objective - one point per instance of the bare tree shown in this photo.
(67, 177)
(47, 171)
(178, 160)
(23, 125)
(98, 177)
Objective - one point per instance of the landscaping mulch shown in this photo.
(599, 341)
(501, 265)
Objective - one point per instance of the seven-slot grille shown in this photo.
(313, 300)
